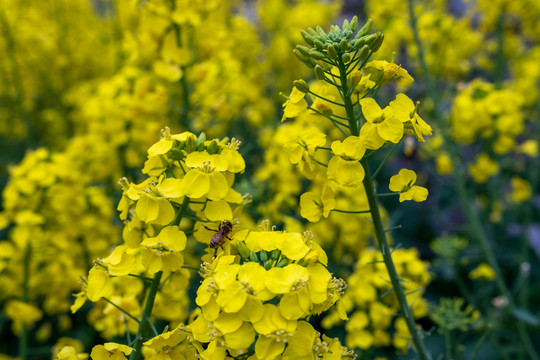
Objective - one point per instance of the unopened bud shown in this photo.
(378, 42)
(253, 256)
(321, 32)
(268, 264)
(312, 32)
(304, 50)
(299, 55)
(282, 263)
(370, 39)
(318, 44)
(307, 37)
(242, 250)
(364, 52)
(301, 85)
(345, 25)
(263, 255)
(332, 53)
(354, 23)
(354, 79)
(364, 30)
(346, 58)
(319, 72)
(344, 45)
(275, 254)
(317, 55)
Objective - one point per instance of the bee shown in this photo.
(225, 228)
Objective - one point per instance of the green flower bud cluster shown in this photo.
(338, 45)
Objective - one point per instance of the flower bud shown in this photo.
(242, 250)
(307, 37)
(354, 23)
(370, 39)
(364, 30)
(301, 85)
(304, 50)
(325, 66)
(344, 45)
(377, 43)
(253, 256)
(364, 52)
(354, 79)
(321, 32)
(299, 55)
(268, 264)
(346, 58)
(345, 25)
(275, 254)
(282, 263)
(263, 255)
(317, 55)
(332, 53)
(312, 33)
(318, 44)
(319, 72)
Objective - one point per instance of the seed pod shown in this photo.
(301, 85)
(319, 72)
(317, 55)
(364, 30)
(332, 53)
(346, 58)
(354, 23)
(304, 50)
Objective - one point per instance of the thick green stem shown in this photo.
(476, 228)
(387, 257)
(143, 332)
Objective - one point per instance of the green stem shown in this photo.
(122, 310)
(384, 161)
(387, 257)
(477, 230)
(143, 332)
(352, 212)
(181, 212)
